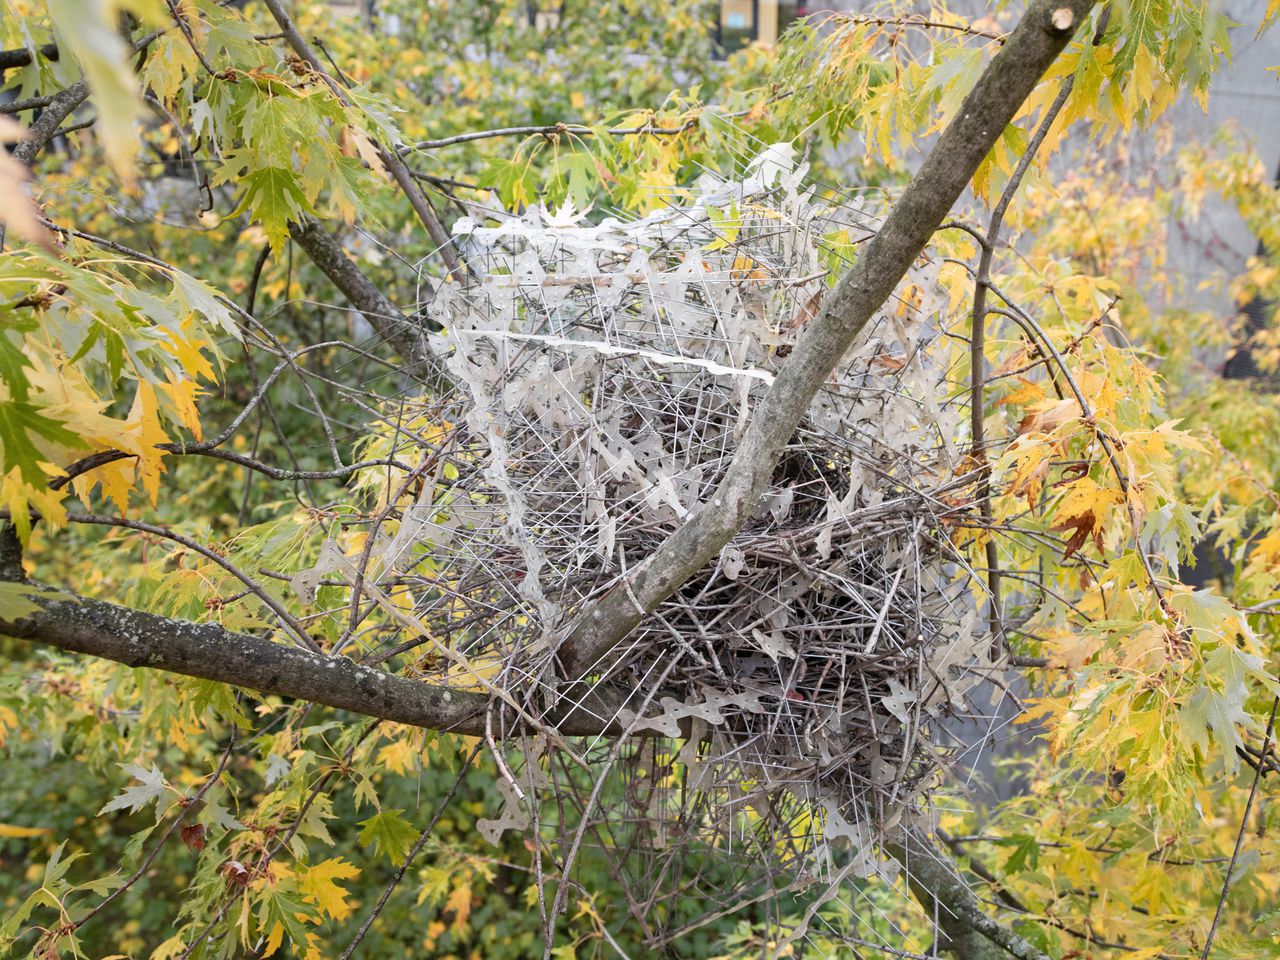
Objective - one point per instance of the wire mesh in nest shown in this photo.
(602, 376)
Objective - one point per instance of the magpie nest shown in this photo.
(603, 372)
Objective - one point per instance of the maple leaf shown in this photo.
(398, 756)
(282, 913)
(274, 198)
(1217, 705)
(459, 903)
(1025, 855)
(200, 297)
(15, 602)
(1084, 508)
(19, 420)
(388, 832)
(183, 393)
(318, 884)
(1084, 525)
(145, 418)
(151, 787)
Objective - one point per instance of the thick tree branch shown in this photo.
(21, 57)
(998, 95)
(942, 891)
(210, 652)
(46, 128)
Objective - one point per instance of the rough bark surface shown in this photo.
(387, 320)
(209, 652)
(968, 933)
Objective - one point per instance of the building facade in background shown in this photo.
(743, 22)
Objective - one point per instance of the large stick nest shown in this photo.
(602, 377)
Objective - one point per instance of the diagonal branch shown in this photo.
(942, 891)
(385, 317)
(361, 292)
(1009, 79)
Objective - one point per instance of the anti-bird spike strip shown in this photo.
(602, 373)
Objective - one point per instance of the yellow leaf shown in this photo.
(1085, 496)
(1144, 73)
(183, 394)
(8, 721)
(653, 190)
(318, 884)
(274, 939)
(145, 415)
(14, 831)
(188, 352)
(1273, 9)
(460, 903)
(1267, 550)
(398, 756)
(1030, 464)
(18, 495)
(1029, 392)
(168, 950)
(116, 480)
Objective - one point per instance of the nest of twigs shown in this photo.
(602, 375)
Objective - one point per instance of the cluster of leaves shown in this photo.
(83, 331)
(1155, 688)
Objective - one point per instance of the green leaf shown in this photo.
(1025, 855)
(12, 362)
(269, 131)
(14, 600)
(1218, 704)
(281, 904)
(377, 109)
(17, 421)
(273, 197)
(198, 296)
(221, 699)
(389, 833)
(580, 170)
(515, 180)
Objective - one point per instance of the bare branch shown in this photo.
(384, 316)
(210, 652)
